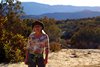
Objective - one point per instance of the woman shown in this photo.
(38, 45)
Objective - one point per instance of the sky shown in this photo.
(67, 2)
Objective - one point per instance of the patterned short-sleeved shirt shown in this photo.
(37, 45)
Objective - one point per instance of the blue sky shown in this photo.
(67, 2)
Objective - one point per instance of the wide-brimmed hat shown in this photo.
(38, 23)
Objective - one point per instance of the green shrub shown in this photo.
(88, 37)
(14, 48)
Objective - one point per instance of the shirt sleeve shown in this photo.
(29, 42)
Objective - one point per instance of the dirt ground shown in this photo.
(69, 58)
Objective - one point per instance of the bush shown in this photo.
(86, 38)
(14, 47)
(54, 46)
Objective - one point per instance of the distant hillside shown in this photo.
(32, 8)
(60, 16)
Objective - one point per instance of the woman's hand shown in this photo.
(26, 58)
(45, 61)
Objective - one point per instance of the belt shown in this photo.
(38, 55)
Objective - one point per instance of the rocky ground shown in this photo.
(69, 58)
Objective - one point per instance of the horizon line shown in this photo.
(61, 4)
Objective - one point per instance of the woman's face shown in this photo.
(37, 28)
